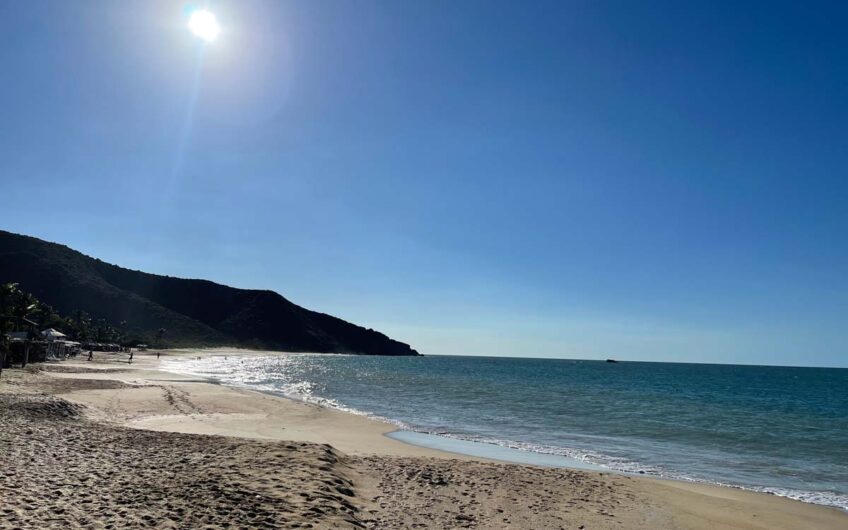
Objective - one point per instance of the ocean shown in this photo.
(774, 429)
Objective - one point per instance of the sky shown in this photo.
(639, 180)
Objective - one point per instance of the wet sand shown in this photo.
(111, 445)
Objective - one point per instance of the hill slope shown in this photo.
(195, 312)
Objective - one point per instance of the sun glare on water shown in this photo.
(204, 25)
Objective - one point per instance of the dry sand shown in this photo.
(109, 445)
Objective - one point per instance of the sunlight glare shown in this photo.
(204, 24)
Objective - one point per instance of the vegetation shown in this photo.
(107, 303)
(18, 307)
(21, 311)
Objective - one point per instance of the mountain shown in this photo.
(194, 312)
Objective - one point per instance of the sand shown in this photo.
(111, 445)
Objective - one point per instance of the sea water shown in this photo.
(773, 429)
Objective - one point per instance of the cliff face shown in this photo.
(195, 312)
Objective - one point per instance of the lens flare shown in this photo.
(204, 24)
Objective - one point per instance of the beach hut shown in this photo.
(17, 335)
(52, 335)
(55, 343)
(61, 349)
(19, 342)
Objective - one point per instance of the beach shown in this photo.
(106, 444)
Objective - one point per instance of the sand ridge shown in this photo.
(61, 470)
(438, 493)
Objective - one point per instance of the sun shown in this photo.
(204, 24)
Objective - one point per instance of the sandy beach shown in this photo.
(105, 444)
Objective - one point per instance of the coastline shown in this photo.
(435, 424)
(145, 398)
(385, 427)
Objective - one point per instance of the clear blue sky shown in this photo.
(639, 180)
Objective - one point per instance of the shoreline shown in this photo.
(475, 449)
(423, 484)
(392, 428)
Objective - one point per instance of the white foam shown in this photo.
(221, 371)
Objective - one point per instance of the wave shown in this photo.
(304, 391)
(629, 467)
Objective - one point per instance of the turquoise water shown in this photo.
(774, 429)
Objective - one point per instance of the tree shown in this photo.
(21, 309)
(159, 333)
(82, 325)
(121, 332)
(24, 304)
(46, 317)
(4, 347)
(8, 292)
(15, 306)
(104, 332)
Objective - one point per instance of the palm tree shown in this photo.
(24, 304)
(122, 332)
(4, 345)
(15, 305)
(159, 333)
(7, 294)
(83, 323)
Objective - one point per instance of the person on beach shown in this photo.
(90, 354)
(131, 355)
(158, 354)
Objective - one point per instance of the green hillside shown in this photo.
(194, 312)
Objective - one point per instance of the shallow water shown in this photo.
(776, 429)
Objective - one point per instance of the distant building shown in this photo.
(51, 335)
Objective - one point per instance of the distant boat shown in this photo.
(611, 361)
